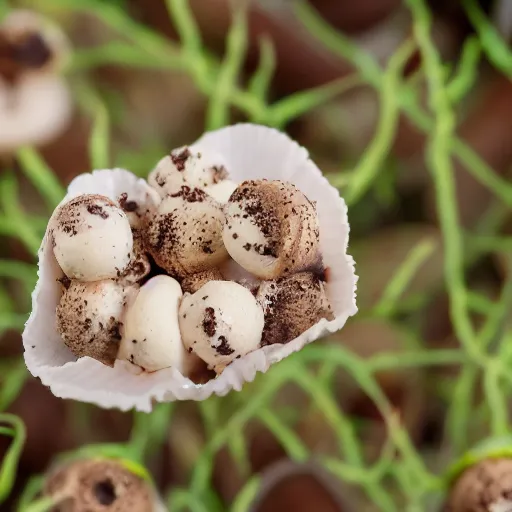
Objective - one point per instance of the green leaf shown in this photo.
(246, 496)
(12, 380)
(260, 81)
(9, 464)
(236, 46)
(42, 177)
(292, 107)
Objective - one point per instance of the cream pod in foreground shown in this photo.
(35, 101)
(251, 152)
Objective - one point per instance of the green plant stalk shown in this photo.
(9, 464)
(259, 84)
(493, 44)
(41, 176)
(246, 495)
(403, 276)
(496, 399)
(292, 443)
(376, 152)
(285, 110)
(236, 46)
(438, 155)
(341, 425)
(371, 72)
(466, 73)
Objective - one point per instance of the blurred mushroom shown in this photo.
(484, 487)
(100, 485)
(35, 103)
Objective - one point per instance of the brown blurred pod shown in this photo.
(100, 485)
(484, 487)
(287, 485)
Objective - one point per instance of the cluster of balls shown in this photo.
(206, 270)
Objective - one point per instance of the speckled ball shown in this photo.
(92, 238)
(185, 235)
(271, 228)
(292, 305)
(188, 166)
(221, 322)
(89, 318)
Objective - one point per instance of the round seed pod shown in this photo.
(485, 486)
(221, 322)
(271, 228)
(292, 305)
(192, 283)
(482, 479)
(90, 316)
(92, 239)
(187, 166)
(99, 485)
(152, 338)
(185, 235)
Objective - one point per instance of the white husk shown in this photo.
(251, 152)
(35, 111)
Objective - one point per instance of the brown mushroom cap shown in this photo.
(99, 486)
(484, 487)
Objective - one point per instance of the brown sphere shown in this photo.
(292, 305)
(484, 487)
(271, 229)
(99, 486)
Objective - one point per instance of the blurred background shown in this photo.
(406, 106)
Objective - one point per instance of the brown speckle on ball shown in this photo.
(192, 283)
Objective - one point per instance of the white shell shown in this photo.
(222, 321)
(251, 152)
(152, 338)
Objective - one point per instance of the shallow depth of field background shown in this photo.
(406, 107)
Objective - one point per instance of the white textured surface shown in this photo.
(251, 152)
